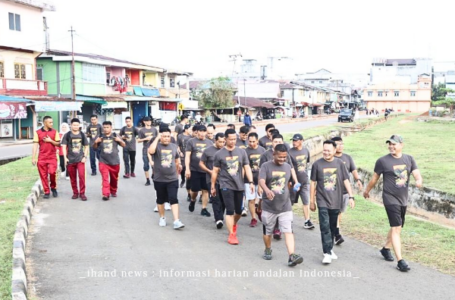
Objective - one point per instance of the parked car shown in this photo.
(346, 115)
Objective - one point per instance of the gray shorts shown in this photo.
(284, 219)
(344, 203)
(303, 193)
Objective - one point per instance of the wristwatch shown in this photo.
(352, 198)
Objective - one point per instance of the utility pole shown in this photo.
(73, 76)
(234, 59)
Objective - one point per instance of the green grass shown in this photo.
(16, 181)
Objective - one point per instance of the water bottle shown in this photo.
(297, 187)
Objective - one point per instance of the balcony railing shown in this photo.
(22, 87)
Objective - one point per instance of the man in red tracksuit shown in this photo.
(47, 139)
(109, 163)
(75, 148)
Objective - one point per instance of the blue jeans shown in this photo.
(94, 154)
(328, 219)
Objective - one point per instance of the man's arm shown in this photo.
(120, 141)
(214, 178)
(371, 184)
(357, 180)
(347, 184)
(152, 148)
(65, 153)
(293, 175)
(204, 168)
(248, 172)
(34, 151)
(312, 195)
(418, 178)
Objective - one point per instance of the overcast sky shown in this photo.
(198, 36)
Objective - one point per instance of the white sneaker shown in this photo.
(156, 208)
(167, 206)
(178, 224)
(162, 222)
(327, 259)
(334, 256)
(62, 175)
(67, 178)
(244, 213)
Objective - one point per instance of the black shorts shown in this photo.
(396, 214)
(233, 200)
(198, 181)
(166, 192)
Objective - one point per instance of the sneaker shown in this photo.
(244, 212)
(93, 173)
(162, 222)
(126, 175)
(308, 225)
(191, 207)
(339, 239)
(67, 178)
(114, 195)
(219, 224)
(188, 198)
(148, 182)
(156, 208)
(205, 212)
(167, 206)
(133, 175)
(277, 234)
(178, 224)
(327, 259)
(83, 197)
(233, 239)
(234, 229)
(294, 260)
(334, 256)
(75, 196)
(386, 254)
(54, 193)
(182, 184)
(403, 266)
(46, 196)
(106, 198)
(267, 254)
(253, 223)
(62, 175)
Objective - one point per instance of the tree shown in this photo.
(215, 94)
(439, 96)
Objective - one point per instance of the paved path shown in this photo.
(116, 250)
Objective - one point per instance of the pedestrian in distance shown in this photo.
(46, 140)
(145, 136)
(64, 128)
(247, 119)
(75, 148)
(396, 169)
(93, 131)
(129, 134)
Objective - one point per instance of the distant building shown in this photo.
(399, 70)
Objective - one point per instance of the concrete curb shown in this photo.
(19, 277)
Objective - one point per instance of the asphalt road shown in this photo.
(116, 250)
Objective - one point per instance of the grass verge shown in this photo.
(16, 180)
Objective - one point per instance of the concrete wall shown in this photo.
(9, 58)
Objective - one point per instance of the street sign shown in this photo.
(181, 107)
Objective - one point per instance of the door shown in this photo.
(138, 112)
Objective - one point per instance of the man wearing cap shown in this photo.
(145, 135)
(396, 168)
(193, 153)
(301, 158)
(266, 141)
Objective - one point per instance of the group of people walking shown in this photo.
(235, 172)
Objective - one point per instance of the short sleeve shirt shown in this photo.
(208, 156)
(146, 132)
(301, 158)
(196, 147)
(396, 175)
(254, 157)
(231, 168)
(181, 142)
(164, 166)
(330, 178)
(179, 128)
(241, 144)
(268, 156)
(350, 166)
(276, 179)
(94, 131)
(75, 146)
(265, 143)
(130, 133)
(47, 151)
(109, 150)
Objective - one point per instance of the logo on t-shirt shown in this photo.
(330, 179)
(129, 136)
(93, 132)
(76, 146)
(232, 165)
(255, 159)
(107, 146)
(166, 158)
(278, 182)
(401, 176)
(268, 146)
(301, 163)
(199, 149)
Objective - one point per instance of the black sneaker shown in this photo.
(205, 212)
(339, 239)
(267, 254)
(219, 224)
(308, 225)
(46, 196)
(294, 260)
(387, 254)
(403, 266)
(93, 173)
(106, 198)
(54, 193)
(191, 207)
(148, 182)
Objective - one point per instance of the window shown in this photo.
(2, 70)
(39, 72)
(14, 22)
(397, 93)
(312, 81)
(172, 82)
(108, 77)
(19, 71)
(93, 73)
(162, 81)
(172, 106)
(413, 93)
(320, 81)
(370, 94)
(282, 94)
(379, 93)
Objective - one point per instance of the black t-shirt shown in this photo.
(350, 166)
(75, 146)
(130, 133)
(164, 168)
(265, 143)
(231, 164)
(179, 128)
(300, 158)
(94, 131)
(109, 150)
(208, 156)
(181, 142)
(276, 179)
(196, 147)
(241, 144)
(254, 157)
(146, 132)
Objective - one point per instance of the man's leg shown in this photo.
(104, 171)
(146, 168)
(93, 160)
(326, 235)
(396, 215)
(333, 219)
(126, 161)
(304, 195)
(132, 160)
(205, 198)
(72, 170)
(238, 206)
(42, 170)
(172, 192)
(228, 197)
(218, 212)
(81, 173)
(286, 220)
(161, 196)
(52, 170)
(113, 173)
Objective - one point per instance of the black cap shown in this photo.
(297, 137)
(202, 128)
(147, 119)
(187, 126)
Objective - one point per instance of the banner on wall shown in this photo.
(57, 106)
(13, 110)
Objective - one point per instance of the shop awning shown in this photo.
(167, 99)
(14, 99)
(138, 91)
(57, 106)
(121, 104)
(137, 98)
(151, 92)
(90, 99)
